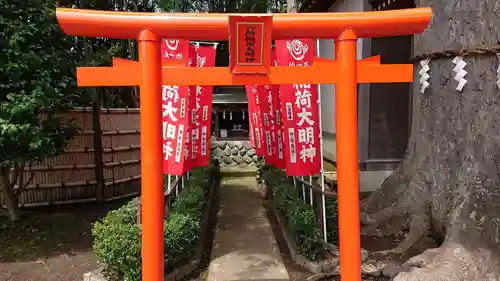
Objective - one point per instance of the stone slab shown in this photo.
(244, 245)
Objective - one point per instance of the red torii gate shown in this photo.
(149, 74)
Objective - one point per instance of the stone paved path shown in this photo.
(244, 244)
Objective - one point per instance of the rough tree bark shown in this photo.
(448, 184)
(9, 194)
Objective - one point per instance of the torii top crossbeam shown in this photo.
(128, 25)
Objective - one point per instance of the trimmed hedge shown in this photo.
(117, 237)
(301, 218)
(332, 220)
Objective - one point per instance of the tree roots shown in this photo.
(450, 262)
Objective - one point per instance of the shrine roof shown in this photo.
(229, 94)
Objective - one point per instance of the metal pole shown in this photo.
(151, 157)
(322, 171)
(168, 183)
(311, 201)
(169, 180)
(177, 190)
(347, 157)
(303, 189)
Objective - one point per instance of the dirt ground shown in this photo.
(50, 243)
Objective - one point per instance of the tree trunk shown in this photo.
(448, 184)
(9, 195)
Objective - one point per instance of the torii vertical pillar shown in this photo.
(346, 114)
(153, 207)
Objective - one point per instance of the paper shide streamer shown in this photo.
(424, 76)
(498, 71)
(460, 72)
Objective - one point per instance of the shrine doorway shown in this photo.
(230, 142)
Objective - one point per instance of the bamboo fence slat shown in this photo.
(124, 155)
(70, 177)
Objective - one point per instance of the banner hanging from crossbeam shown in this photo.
(192, 134)
(264, 93)
(186, 109)
(265, 120)
(175, 107)
(255, 119)
(277, 130)
(270, 115)
(201, 112)
(299, 104)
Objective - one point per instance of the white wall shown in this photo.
(327, 50)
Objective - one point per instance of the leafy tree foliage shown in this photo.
(223, 6)
(100, 51)
(36, 83)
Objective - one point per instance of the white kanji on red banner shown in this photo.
(200, 109)
(300, 105)
(174, 104)
(306, 130)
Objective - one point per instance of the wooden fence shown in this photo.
(100, 164)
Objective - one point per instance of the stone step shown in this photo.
(331, 178)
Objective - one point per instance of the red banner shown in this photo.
(267, 116)
(201, 114)
(277, 132)
(254, 119)
(193, 124)
(300, 111)
(172, 49)
(175, 105)
(280, 163)
(250, 130)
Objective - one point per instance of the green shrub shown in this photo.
(181, 238)
(117, 237)
(190, 200)
(332, 222)
(117, 242)
(299, 216)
